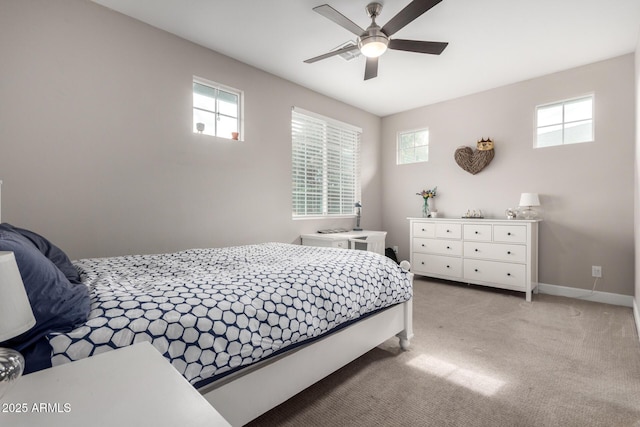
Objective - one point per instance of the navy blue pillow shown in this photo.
(57, 304)
(48, 249)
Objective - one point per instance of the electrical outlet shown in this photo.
(596, 271)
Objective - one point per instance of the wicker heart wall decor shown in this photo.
(473, 161)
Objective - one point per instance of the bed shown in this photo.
(249, 326)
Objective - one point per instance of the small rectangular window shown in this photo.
(217, 109)
(565, 122)
(413, 146)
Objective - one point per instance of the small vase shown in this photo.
(425, 209)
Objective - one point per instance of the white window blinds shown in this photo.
(325, 165)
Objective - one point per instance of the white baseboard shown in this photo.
(587, 295)
(636, 315)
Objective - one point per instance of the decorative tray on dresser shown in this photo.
(489, 252)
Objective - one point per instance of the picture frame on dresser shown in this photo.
(499, 253)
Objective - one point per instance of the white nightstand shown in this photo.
(132, 386)
(373, 241)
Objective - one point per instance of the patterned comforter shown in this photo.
(212, 311)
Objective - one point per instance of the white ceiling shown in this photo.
(491, 42)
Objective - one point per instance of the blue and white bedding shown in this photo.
(213, 311)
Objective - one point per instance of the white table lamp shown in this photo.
(16, 317)
(527, 201)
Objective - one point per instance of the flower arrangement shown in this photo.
(426, 195)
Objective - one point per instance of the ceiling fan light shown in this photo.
(373, 47)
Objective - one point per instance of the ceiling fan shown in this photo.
(374, 41)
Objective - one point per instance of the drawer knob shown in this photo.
(422, 263)
(477, 232)
(509, 233)
(423, 245)
(508, 252)
(475, 269)
(448, 266)
(448, 231)
(508, 274)
(423, 229)
(448, 247)
(476, 250)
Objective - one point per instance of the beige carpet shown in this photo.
(484, 357)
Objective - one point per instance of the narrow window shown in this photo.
(217, 109)
(413, 147)
(565, 122)
(325, 166)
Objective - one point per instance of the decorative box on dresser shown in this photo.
(488, 252)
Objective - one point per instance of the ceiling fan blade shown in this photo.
(332, 53)
(408, 14)
(332, 14)
(434, 48)
(371, 69)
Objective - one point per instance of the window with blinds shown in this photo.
(325, 165)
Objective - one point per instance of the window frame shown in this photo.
(219, 87)
(414, 132)
(347, 207)
(564, 123)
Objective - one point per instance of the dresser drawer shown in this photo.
(512, 276)
(477, 232)
(437, 264)
(448, 231)
(510, 233)
(435, 246)
(327, 243)
(344, 244)
(424, 229)
(496, 251)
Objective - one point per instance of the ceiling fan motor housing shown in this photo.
(373, 42)
(373, 10)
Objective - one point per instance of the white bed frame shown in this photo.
(250, 392)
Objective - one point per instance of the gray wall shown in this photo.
(96, 147)
(586, 189)
(637, 187)
(97, 153)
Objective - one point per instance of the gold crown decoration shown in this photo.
(485, 144)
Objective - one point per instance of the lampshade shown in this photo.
(529, 199)
(16, 316)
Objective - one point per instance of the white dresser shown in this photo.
(373, 241)
(488, 252)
